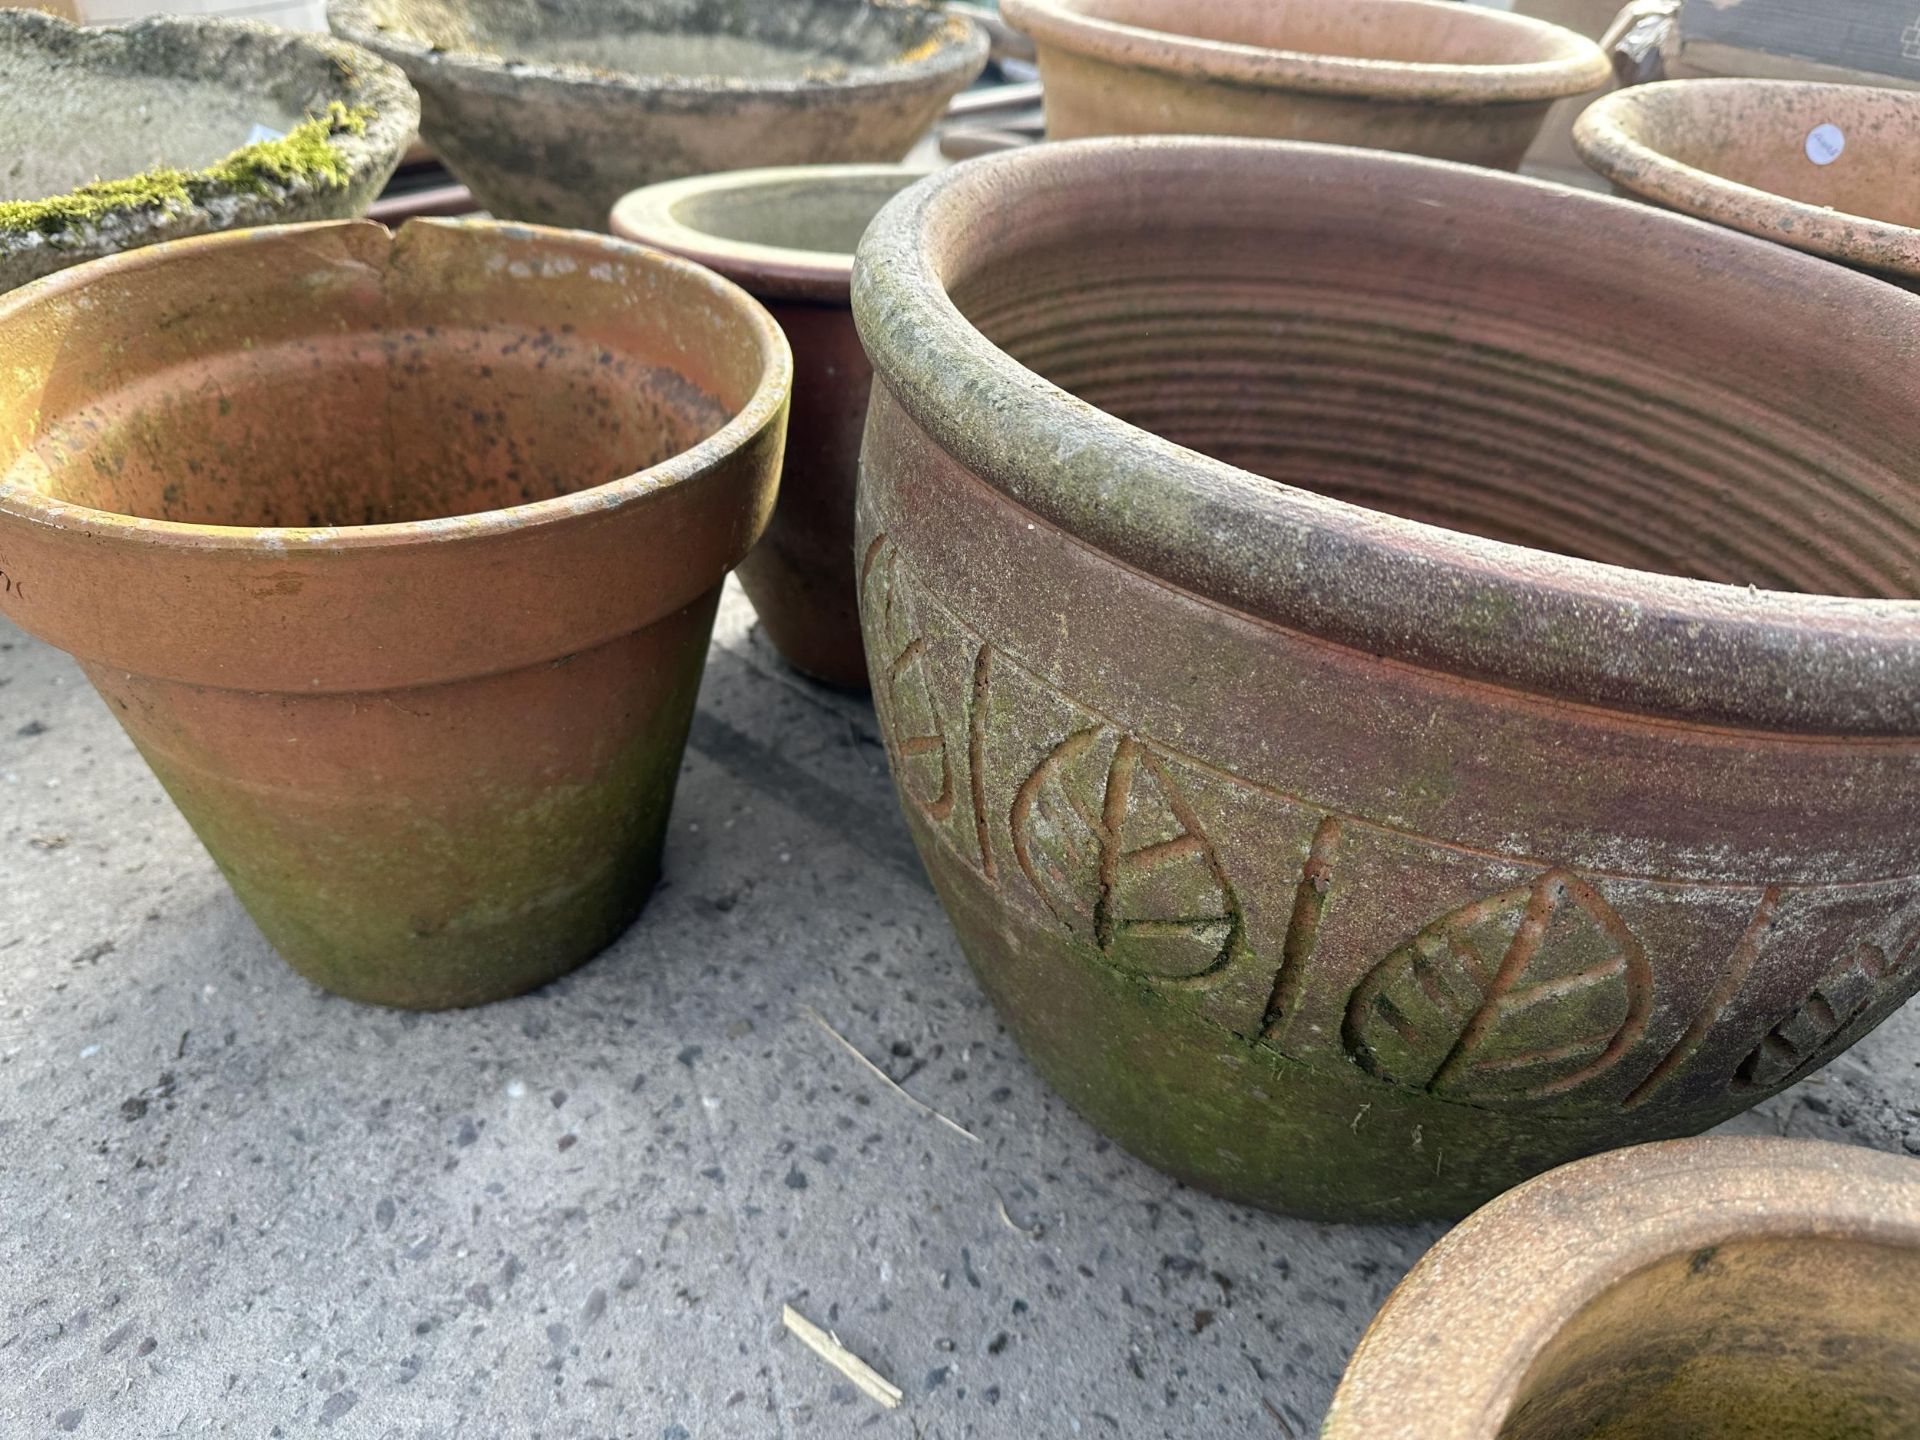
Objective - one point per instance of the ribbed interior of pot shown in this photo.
(1355, 29)
(742, 39)
(827, 214)
(1757, 1340)
(313, 394)
(1540, 386)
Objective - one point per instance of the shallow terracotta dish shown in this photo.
(787, 236)
(1830, 169)
(553, 115)
(1459, 82)
(117, 137)
(1726, 1289)
(1333, 619)
(397, 556)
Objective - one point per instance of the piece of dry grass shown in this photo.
(827, 1346)
(886, 1079)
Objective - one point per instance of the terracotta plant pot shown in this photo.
(1824, 168)
(397, 556)
(1457, 82)
(1332, 616)
(120, 137)
(554, 119)
(1716, 1289)
(787, 236)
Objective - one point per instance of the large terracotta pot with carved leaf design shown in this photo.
(1401, 675)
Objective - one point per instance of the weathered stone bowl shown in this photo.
(787, 236)
(113, 138)
(1829, 169)
(1728, 1289)
(1401, 675)
(552, 114)
(1458, 82)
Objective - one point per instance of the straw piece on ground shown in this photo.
(828, 1347)
(886, 1079)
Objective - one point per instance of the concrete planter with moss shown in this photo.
(177, 126)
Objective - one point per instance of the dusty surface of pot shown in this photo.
(1457, 82)
(404, 590)
(554, 118)
(1828, 169)
(122, 137)
(1726, 1289)
(1340, 654)
(787, 236)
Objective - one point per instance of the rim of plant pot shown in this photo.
(1563, 627)
(346, 146)
(1620, 137)
(1450, 1353)
(955, 47)
(1567, 64)
(339, 568)
(702, 217)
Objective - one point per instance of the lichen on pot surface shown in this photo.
(1828, 169)
(171, 127)
(1457, 82)
(1401, 675)
(1720, 1289)
(553, 111)
(397, 556)
(787, 235)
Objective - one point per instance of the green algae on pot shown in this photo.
(1721, 1289)
(787, 236)
(553, 114)
(128, 136)
(1431, 77)
(1828, 169)
(1401, 675)
(397, 555)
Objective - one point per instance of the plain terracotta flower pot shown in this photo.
(120, 136)
(787, 237)
(397, 556)
(1828, 169)
(554, 118)
(1726, 1289)
(1401, 675)
(1457, 82)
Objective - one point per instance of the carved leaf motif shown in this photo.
(914, 729)
(1111, 845)
(1530, 993)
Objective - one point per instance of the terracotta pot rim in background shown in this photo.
(1449, 1352)
(1621, 638)
(1569, 63)
(1618, 137)
(960, 49)
(649, 216)
(24, 503)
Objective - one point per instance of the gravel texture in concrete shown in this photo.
(235, 1206)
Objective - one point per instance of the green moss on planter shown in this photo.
(306, 153)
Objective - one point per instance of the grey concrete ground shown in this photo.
(230, 1205)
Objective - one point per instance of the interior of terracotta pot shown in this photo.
(302, 381)
(1764, 136)
(1759, 1340)
(742, 39)
(825, 213)
(1458, 350)
(1356, 29)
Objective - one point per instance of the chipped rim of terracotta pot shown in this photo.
(1569, 63)
(365, 81)
(1612, 137)
(18, 501)
(1448, 1354)
(1439, 599)
(955, 53)
(653, 215)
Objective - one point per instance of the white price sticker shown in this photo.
(1825, 143)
